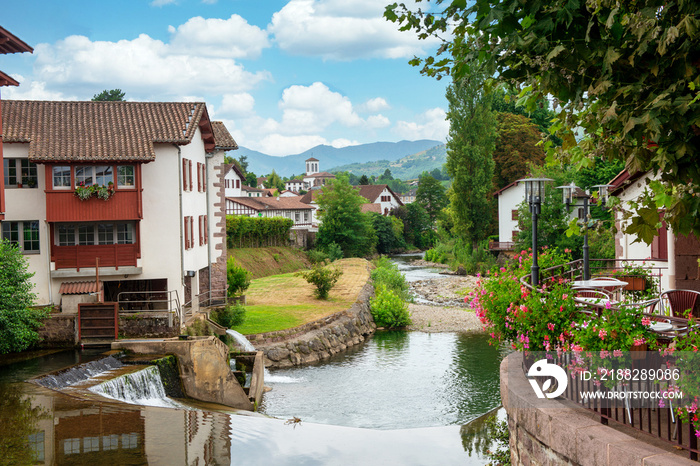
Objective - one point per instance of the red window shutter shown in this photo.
(206, 230)
(187, 236)
(191, 231)
(238, 184)
(199, 177)
(184, 174)
(189, 169)
(204, 178)
(659, 245)
(514, 214)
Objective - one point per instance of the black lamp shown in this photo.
(534, 193)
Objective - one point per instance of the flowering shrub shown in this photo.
(101, 192)
(620, 329)
(651, 283)
(83, 192)
(688, 361)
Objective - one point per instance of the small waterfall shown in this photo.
(241, 340)
(143, 387)
(78, 373)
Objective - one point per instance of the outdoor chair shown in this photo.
(648, 306)
(591, 299)
(676, 302)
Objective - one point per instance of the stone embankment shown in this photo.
(320, 339)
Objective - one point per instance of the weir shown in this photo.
(79, 373)
(144, 387)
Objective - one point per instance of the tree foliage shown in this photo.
(624, 72)
(470, 157)
(242, 231)
(516, 148)
(431, 195)
(274, 181)
(113, 95)
(342, 220)
(18, 320)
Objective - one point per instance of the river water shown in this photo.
(400, 399)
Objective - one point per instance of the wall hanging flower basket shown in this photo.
(634, 283)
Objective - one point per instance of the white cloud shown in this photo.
(309, 109)
(378, 121)
(237, 105)
(342, 142)
(33, 90)
(277, 144)
(215, 37)
(342, 30)
(163, 2)
(374, 105)
(429, 125)
(142, 67)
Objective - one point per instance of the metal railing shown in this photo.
(151, 301)
(501, 245)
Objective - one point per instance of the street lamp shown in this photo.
(534, 193)
(568, 196)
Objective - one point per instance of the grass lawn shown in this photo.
(279, 302)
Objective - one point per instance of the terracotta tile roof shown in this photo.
(223, 138)
(310, 196)
(263, 203)
(229, 166)
(321, 175)
(79, 287)
(6, 80)
(251, 189)
(99, 131)
(371, 208)
(311, 159)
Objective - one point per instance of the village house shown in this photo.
(381, 195)
(408, 197)
(313, 178)
(116, 199)
(278, 206)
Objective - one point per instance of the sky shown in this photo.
(284, 76)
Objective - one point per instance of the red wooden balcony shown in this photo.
(111, 255)
(64, 206)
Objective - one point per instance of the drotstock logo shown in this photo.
(541, 369)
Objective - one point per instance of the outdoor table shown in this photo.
(600, 284)
(661, 327)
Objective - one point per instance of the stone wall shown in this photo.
(320, 339)
(153, 325)
(59, 331)
(557, 432)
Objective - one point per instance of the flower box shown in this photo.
(634, 283)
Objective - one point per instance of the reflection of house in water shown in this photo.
(77, 432)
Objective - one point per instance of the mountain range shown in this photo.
(405, 168)
(330, 158)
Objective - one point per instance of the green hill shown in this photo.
(405, 168)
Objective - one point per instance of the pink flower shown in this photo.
(550, 326)
(639, 341)
(646, 321)
(608, 305)
(617, 353)
(602, 334)
(565, 296)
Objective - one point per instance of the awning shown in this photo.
(79, 287)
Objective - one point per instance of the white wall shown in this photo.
(508, 200)
(230, 184)
(30, 204)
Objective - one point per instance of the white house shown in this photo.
(509, 198)
(157, 231)
(313, 177)
(382, 195)
(233, 180)
(292, 208)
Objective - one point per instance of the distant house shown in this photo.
(310, 199)
(296, 185)
(261, 182)
(292, 208)
(157, 227)
(233, 180)
(247, 191)
(382, 195)
(408, 197)
(509, 198)
(313, 178)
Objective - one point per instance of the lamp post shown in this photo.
(534, 192)
(568, 194)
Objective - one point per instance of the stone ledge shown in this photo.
(565, 434)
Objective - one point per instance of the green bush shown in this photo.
(230, 316)
(388, 309)
(316, 256)
(387, 274)
(238, 278)
(334, 251)
(255, 232)
(323, 277)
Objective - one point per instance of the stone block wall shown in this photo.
(147, 326)
(59, 331)
(320, 339)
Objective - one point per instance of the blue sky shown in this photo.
(284, 76)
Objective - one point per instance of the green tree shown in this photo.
(517, 146)
(243, 163)
(386, 176)
(388, 240)
(505, 102)
(342, 220)
(18, 320)
(109, 96)
(416, 225)
(431, 196)
(274, 181)
(251, 179)
(626, 73)
(364, 180)
(470, 157)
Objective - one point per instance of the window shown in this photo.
(83, 176)
(36, 444)
(126, 177)
(20, 173)
(24, 234)
(297, 217)
(104, 175)
(86, 235)
(61, 177)
(110, 442)
(125, 233)
(71, 446)
(91, 444)
(88, 175)
(105, 233)
(130, 440)
(514, 214)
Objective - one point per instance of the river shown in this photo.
(404, 398)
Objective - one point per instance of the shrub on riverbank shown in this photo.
(387, 273)
(388, 309)
(238, 278)
(229, 316)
